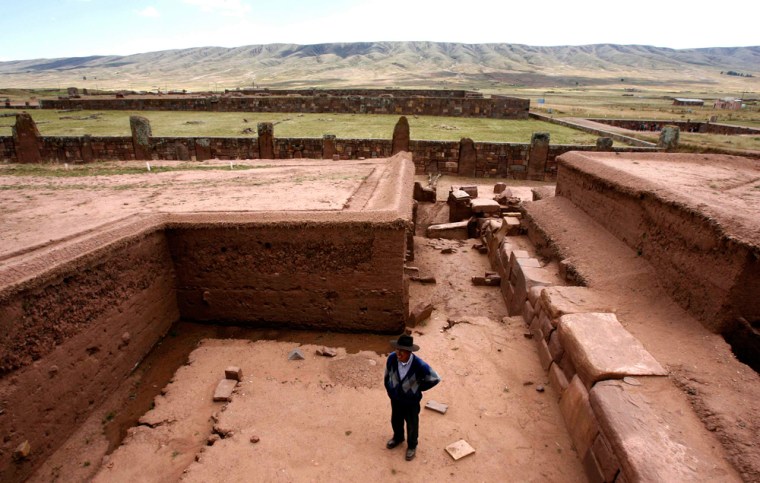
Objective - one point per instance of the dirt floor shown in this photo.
(325, 419)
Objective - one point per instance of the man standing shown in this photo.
(406, 376)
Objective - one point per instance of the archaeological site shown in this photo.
(220, 308)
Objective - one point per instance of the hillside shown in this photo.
(423, 64)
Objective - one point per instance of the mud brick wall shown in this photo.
(500, 108)
(72, 335)
(684, 126)
(346, 276)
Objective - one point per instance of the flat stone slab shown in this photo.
(485, 205)
(655, 434)
(560, 300)
(601, 348)
(460, 449)
(437, 407)
(449, 231)
(223, 391)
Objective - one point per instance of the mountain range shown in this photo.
(403, 64)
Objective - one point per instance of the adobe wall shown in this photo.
(496, 108)
(346, 276)
(684, 126)
(709, 270)
(72, 334)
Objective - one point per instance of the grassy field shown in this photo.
(229, 124)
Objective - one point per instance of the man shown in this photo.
(406, 376)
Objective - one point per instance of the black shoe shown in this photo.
(392, 443)
(410, 452)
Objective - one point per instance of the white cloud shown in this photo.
(225, 7)
(149, 12)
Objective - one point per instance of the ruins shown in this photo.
(583, 311)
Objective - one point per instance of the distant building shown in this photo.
(728, 103)
(679, 101)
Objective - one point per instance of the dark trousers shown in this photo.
(405, 412)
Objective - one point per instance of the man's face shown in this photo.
(403, 355)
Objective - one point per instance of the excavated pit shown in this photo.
(86, 295)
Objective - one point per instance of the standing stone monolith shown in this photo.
(669, 138)
(538, 155)
(266, 140)
(468, 157)
(141, 134)
(328, 146)
(26, 139)
(86, 150)
(400, 136)
(604, 144)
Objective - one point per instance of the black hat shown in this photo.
(405, 342)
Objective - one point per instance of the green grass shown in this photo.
(232, 124)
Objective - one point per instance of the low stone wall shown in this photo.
(618, 408)
(684, 126)
(495, 108)
(358, 92)
(709, 270)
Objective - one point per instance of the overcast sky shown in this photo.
(72, 28)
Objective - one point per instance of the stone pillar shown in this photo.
(328, 146)
(141, 134)
(400, 136)
(26, 139)
(604, 144)
(266, 140)
(669, 138)
(183, 154)
(538, 155)
(87, 154)
(468, 157)
(202, 149)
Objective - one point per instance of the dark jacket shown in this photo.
(420, 377)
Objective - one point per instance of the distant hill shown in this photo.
(404, 64)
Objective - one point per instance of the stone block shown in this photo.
(534, 294)
(605, 459)
(561, 300)
(543, 353)
(470, 190)
(534, 328)
(567, 366)
(528, 312)
(423, 193)
(555, 347)
(22, 451)
(512, 226)
(487, 281)
(499, 188)
(420, 312)
(557, 379)
(546, 326)
(578, 415)
(437, 406)
(485, 206)
(654, 433)
(593, 473)
(522, 278)
(223, 391)
(233, 372)
(400, 141)
(448, 231)
(602, 349)
(326, 352)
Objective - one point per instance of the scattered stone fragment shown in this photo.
(460, 449)
(327, 352)
(223, 392)
(428, 279)
(411, 271)
(487, 281)
(527, 335)
(255, 439)
(234, 373)
(125, 337)
(528, 383)
(499, 187)
(295, 355)
(437, 407)
(447, 250)
(213, 438)
(420, 312)
(540, 388)
(22, 451)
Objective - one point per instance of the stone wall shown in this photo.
(497, 108)
(684, 126)
(358, 92)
